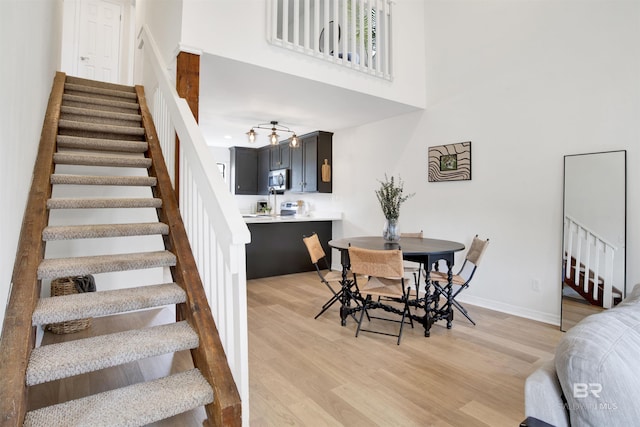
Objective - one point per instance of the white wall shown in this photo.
(237, 30)
(527, 83)
(30, 34)
(164, 18)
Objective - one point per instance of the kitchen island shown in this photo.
(276, 246)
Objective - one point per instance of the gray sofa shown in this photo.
(594, 379)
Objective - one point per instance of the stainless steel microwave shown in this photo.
(279, 180)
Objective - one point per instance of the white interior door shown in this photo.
(99, 40)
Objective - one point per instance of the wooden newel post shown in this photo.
(188, 87)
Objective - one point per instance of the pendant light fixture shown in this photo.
(274, 138)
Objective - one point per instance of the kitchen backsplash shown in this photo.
(314, 202)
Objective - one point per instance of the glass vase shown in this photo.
(391, 231)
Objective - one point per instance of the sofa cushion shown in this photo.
(596, 362)
(543, 396)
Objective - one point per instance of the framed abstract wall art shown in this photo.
(451, 162)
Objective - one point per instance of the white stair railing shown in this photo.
(351, 33)
(216, 230)
(592, 251)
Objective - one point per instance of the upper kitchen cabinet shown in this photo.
(244, 170)
(311, 163)
(280, 156)
(264, 165)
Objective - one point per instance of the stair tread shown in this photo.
(94, 90)
(100, 113)
(67, 359)
(147, 181)
(99, 102)
(103, 303)
(103, 203)
(53, 268)
(101, 159)
(93, 231)
(100, 144)
(135, 405)
(95, 83)
(102, 128)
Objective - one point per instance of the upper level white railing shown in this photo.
(592, 251)
(351, 33)
(216, 231)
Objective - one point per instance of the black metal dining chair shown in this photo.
(325, 273)
(461, 280)
(385, 271)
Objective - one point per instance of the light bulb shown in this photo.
(274, 137)
(294, 141)
(252, 135)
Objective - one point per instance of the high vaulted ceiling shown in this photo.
(234, 96)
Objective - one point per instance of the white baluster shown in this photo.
(596, 271)
(346, 33)
(369, 37)
(578, 253)
(326, 12)
(352, 34)
(335, 33)
(608, 280)
(307, 24)
(316, 27)
(586, 262)
(377, 9)
(387, 40)
(285, 21)
(273, 21)
(569, 251)
(296, 23)
(361, 49)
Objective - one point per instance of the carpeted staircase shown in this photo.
(101, 126)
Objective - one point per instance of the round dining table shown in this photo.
(427, 252)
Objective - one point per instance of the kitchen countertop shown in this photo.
(267, 219)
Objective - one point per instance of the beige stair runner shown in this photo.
(144, 181)
(135, 405)
(77, 142)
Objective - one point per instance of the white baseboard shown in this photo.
(539, 316)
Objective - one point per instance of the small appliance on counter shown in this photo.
(293, 208)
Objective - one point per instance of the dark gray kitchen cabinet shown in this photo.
(277, 248)
(244, 170)
(264, 165)
(307, 162)
(280, 156)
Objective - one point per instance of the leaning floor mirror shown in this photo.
(594, 238)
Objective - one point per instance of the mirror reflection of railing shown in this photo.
(579, 267)
(351, 33)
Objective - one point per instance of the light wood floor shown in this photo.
(574, 310)
(315, 372)
(307, 372)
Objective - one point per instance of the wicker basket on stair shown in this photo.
(66, 286)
